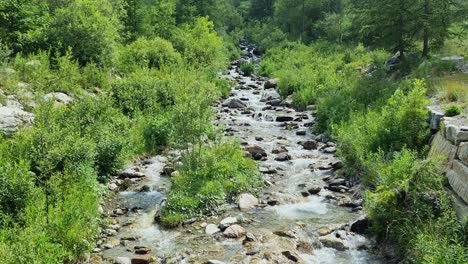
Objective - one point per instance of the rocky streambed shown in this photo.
(305, 213)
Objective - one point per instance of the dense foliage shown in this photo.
(143, 77)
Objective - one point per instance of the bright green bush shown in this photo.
(89, 27)
(200, 45)
(401, 122)
(16, 185)
(143, 53)
(209, 177)
(453, 110)
(157, 132)
(247, 68)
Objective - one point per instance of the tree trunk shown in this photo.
(425, 52)
(401, 26)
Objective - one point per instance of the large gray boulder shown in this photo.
(12, 118)
(271, 83)
(235, 104)
(247, 201)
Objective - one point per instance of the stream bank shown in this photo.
(303, 215)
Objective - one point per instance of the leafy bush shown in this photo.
(89, 27)
(208, 178)
(16, 185)
(401, 122)
(453, 110)
(143, 53)
(200, 45)
(247, 68)
(157, 132)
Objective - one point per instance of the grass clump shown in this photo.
(453, 110)
(247, 68)
(208, 178)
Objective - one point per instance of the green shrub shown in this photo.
(16, 185)
(453, 110)
(247, 68)
(157, 133)
(401, 122)
(143, 53)
(209, 177)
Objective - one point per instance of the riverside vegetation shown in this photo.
(142, 77)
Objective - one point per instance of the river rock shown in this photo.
(308, 145)
(314, 190)
(142, 250)
(330, 150)
(284, 119)
(279, 150)
(256, 152)
(212, 229)
(331, 241)
(141, 259)
(122, 260)
(235, 104)
(271, 83)
(235, 231)
(283, 157)
(269, 95)
(361, 225)
(291, 256)
(301, 132)
(337, 164)
(228, 221)
(337, 182)
(131, 173)
(247, 201)
(213, 261)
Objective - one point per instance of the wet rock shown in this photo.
(247, 201)
(141, 260)
(131, 173)
(283, 157)
(228, 221)
(256, 152)
(308, 145)
(337, 182)
(189, 221)
(284, 119)
(130, 238)
(337, 164)
(287, 234)
(213, 261)
(269, 170)
(142, 250)
(269, 95)
(279, 150)
(249, 237)
(236, 104)
(322, 138)
(361, 225)
(291, 256)
(274, 102)
(331, 241)
(338, 188)
(112, 187)
(235, 231)
(122, 260)
(212, 229)
(145, 188)
(271, 83)
(330, 150)
(301, 132)
(259, 138)
(314, 190)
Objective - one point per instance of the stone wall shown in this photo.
(451, 141)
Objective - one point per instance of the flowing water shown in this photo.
(286, 225)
